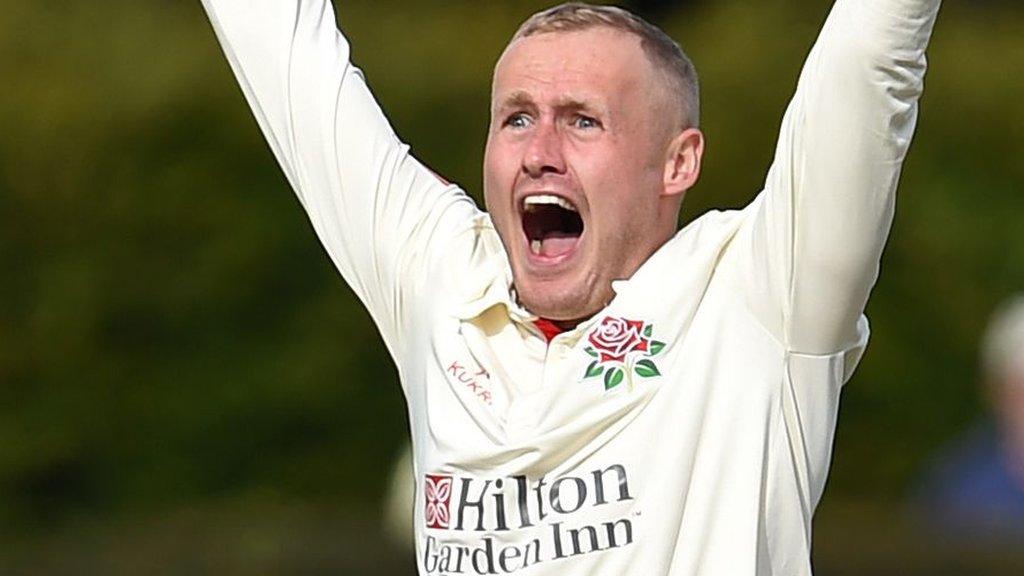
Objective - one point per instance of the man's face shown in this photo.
(575, 165)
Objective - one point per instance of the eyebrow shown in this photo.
(522, 99)
(517, 99)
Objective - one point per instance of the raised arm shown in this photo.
(376, 210)
(828, 203)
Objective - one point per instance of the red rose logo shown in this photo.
(622, 347)
(616, 337)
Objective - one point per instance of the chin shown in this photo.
(561, 303)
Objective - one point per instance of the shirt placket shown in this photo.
(526, 410)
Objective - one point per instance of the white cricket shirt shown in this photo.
(684, 430)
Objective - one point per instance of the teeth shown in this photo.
(535, 246)
(548, 199)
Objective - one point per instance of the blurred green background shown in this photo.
(187, 386)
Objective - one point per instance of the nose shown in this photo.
(543, 154)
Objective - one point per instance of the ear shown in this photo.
(682, 162)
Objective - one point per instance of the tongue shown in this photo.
(553, 246)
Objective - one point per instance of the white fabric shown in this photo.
(710, 452)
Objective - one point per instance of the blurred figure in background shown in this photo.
(975, 488)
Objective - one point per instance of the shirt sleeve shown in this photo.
(819, 227)
(379, 213)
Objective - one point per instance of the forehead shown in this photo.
(597, 62)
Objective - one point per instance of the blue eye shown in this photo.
(518, 120)
(586, 122)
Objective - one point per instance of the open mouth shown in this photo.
(552, 225)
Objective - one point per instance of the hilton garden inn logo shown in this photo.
(471, 521)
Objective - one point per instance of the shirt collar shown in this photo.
(500, 291)
(497, 290)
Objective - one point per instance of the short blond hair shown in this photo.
(664, 52)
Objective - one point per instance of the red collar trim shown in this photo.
(548, 328)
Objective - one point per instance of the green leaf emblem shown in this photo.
(594, 370)
(646, 369)
(613, 378)
(656, 347)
